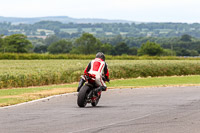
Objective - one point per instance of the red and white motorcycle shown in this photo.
(90, 92)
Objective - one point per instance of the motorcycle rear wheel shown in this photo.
(82, 96)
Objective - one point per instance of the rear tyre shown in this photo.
(82, 96)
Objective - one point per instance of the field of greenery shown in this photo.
(23, 73)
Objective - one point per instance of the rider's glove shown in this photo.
(107, 79)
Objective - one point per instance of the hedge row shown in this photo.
(34, 56)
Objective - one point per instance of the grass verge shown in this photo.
(19, 95)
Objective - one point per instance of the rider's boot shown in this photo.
(81, 82)
(101, 88)
(104, 88)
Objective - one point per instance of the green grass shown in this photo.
(9, 100)
(19, 91)
(19, 95)
(156, 81)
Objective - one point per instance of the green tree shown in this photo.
(168, 52)
(62, 46)
(64, 35)
(182, 52)
(51, 39)
(87, 44)
(106, 48)
(56, 30)
(116, 40)
(17, 43)
(186, 38)
(150, 48)
(40, 49)
(186, 52)
(133, 51)
(194, 53)
(1, 41)
(121, 48)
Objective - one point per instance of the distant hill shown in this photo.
(63, 19)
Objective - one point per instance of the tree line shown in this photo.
(103, 29)
(89, 44)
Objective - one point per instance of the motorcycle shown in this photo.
(90, 92)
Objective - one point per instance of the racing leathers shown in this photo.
(97, 68)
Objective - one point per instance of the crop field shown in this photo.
(23, 73)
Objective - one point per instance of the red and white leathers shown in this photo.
(98, 67)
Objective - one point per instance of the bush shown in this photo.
(151, 49)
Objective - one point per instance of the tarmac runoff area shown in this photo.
(138, 110)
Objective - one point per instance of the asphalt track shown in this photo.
(140, 110)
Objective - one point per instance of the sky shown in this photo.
(133, 10)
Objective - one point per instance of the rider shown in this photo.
(97, 67)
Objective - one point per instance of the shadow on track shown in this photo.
(88, 107)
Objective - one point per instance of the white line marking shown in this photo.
(46, 98)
